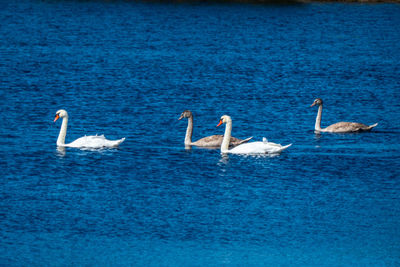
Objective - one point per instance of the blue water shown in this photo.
(127, 69)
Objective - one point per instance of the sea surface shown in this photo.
(129, 69)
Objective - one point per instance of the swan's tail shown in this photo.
(284, 147)
(372, 126)
(118, 142)
(277, 148)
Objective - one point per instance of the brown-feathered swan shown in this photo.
(340, 127)
(213, 141)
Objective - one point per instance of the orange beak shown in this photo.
(56, 117)
(220, 122)
(313, 104)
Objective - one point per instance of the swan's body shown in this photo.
(258, 147)
(263, 147)
(93, 141)
(340, 127)
(209, 141)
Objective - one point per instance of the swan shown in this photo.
(93, 141)
(263, 147)
(209, 141)
(340, 127)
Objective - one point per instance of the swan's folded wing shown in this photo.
(209, 141)
(95, 141)
(251, 148)
(342, 127)
(258, 148)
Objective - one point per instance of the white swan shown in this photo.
(263, 147)
(93, 141)
(340, 127)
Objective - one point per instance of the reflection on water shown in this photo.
(224, 158)
(317, 135)
(188, 147)
(61, 151)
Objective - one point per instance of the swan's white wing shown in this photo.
(248, 148)
(258, 148)
(94, 141)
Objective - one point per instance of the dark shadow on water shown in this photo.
(384, 132)
(318, 134)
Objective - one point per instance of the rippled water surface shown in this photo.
(128, 69)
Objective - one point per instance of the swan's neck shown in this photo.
(318, 120)
(63, 132)
(189, 131)
(227, 137)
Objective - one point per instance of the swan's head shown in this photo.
(224, 119)
(60, 114)
(317, 102)
(186, 114)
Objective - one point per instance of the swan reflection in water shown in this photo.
(226, 158)
(61, 151)
(188, 147)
